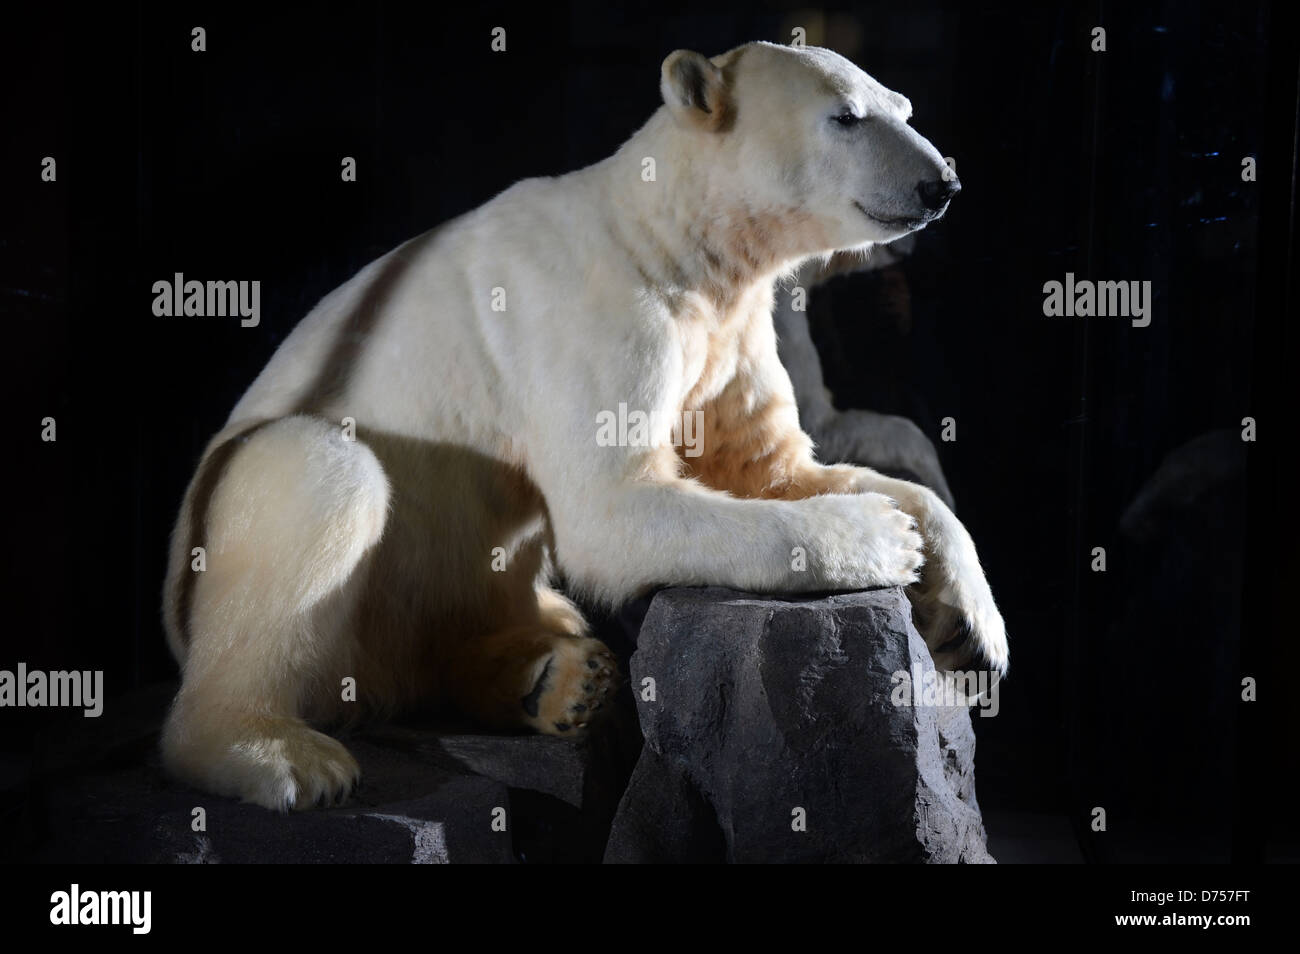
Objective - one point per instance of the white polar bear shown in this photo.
(415, 554)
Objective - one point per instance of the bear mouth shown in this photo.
(898, 222)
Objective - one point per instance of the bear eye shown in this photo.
(847, 117)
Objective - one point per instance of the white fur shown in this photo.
(607, 301)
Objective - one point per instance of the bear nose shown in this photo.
(935, 194)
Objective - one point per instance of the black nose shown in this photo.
(935, 194)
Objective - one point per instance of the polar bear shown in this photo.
(390, 503)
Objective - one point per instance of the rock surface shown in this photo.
(428, 796)
(767, 710)
(761, 706)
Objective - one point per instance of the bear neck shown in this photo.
(688, 230)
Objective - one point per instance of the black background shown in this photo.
(1122, 165)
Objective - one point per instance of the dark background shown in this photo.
(1122, 165)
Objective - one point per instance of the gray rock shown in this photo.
(762, 705)
(418, 814)
(765, 706)
(428, 796)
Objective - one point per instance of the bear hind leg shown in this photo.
(289, 525)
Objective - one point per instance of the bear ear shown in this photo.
(902, 104)
(696, 91)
